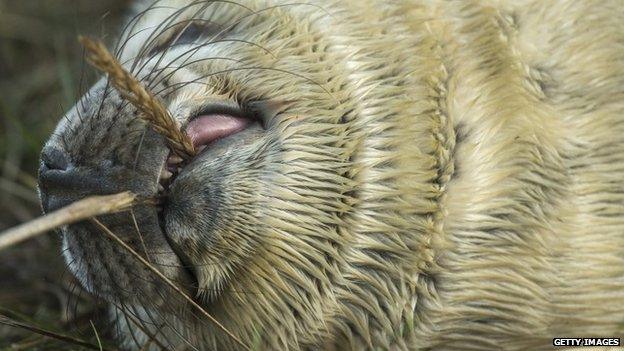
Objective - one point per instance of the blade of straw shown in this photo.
(77, 211)
(150, 108)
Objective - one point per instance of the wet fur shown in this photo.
(445, 175)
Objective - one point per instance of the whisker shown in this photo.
(170, 26)
(140, 324)
(138, 152)
(134, 21)
(196, 81)
(195, 49)
(130, 329)
(158, 31)
(167, 281)
(172, 327)
(151, 39)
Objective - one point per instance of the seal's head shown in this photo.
(251, 225)
(382, 175)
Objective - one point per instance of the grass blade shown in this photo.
(47, 333)
(77, 211)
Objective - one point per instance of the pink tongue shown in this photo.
(205, 129)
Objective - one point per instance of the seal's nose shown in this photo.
(55, 179)
(56, 173)
(54, 159)
(61, 182)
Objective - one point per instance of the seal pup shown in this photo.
(418, 175)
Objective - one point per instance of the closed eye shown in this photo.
(194, 32)
(191, 33)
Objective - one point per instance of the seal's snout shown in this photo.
(61, 182)
(53, 158)
(101, 266)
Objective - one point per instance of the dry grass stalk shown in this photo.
(84, 209)
(167, 281)
(77, 211)
(151, 109)
(50, 334)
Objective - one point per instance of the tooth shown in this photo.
(165, 174)
(174, 159)
(161, 188)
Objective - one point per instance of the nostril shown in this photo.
(54, 159)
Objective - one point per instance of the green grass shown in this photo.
(40, 70)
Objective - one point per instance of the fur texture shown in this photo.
(437, 174)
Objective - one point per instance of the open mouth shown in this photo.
(213, 123)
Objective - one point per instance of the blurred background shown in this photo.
(41, 75)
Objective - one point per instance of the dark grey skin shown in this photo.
(103, 147)
(100, 155)
(94, 154)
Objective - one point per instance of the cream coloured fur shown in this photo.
(450, 176)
